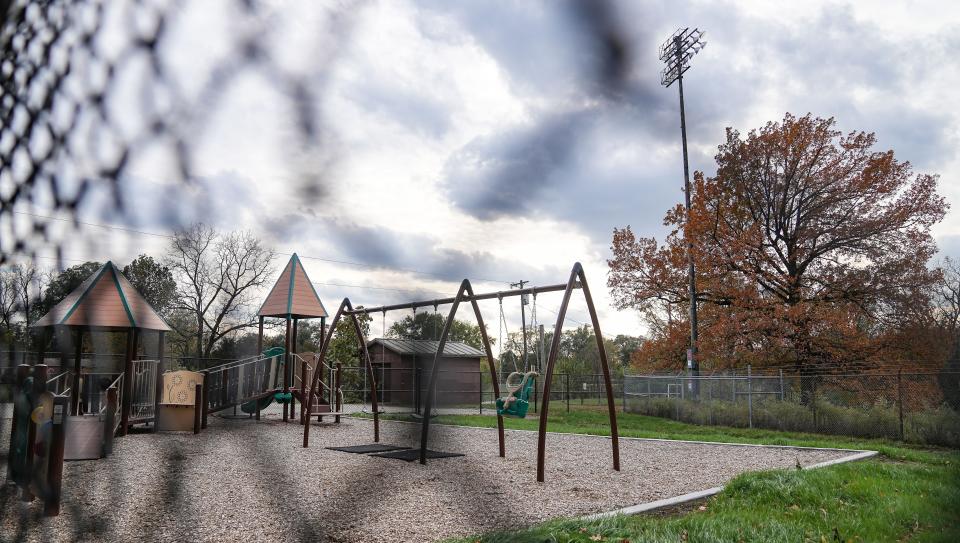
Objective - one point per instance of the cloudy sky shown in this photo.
(501, 141)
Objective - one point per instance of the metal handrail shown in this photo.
(115, 384)
(58, 376)
(237, 363)
(224, 367)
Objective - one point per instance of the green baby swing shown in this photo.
(519, 384)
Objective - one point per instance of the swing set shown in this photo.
(519, 384)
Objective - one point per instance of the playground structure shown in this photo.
(577, 280)
(75, 414)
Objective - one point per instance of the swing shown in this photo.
(516, 402)
(519, 384)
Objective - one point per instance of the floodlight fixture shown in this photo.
(677, 51)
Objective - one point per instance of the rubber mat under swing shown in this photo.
(414, 454)
(367, 449)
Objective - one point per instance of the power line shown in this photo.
(320, 258)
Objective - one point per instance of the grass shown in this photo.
(907, 493)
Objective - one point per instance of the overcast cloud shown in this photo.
(505, 141)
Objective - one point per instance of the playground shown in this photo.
(207, 455)
(244, 476)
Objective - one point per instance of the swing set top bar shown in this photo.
(475, 297)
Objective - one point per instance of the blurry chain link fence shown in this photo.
(92, 94)
(919, 407)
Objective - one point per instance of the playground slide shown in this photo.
(260, 404)
(253, 406)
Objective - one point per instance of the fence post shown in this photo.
(900, 400)
(813, 402)
(750, 395)
(733, 387)
(781, 385)
(676, 400)
(198, 401)
(567, 380)
(623, 392)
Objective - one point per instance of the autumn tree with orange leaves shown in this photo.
(810, 247)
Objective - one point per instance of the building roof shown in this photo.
(106, 299)
(293, 295)
(452, 349)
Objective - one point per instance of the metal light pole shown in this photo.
(676, 53)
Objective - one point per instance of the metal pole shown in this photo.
(750, 395)
(900, 400)
(781, 385)
(693, 365)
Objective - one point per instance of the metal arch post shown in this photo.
(373, 380)
(323, 353)
(434, 371)
(490, 364)
(576, 273)
(317, 372)
(611, 406)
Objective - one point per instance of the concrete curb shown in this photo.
(683, 498)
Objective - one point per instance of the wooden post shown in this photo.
(14, 460)
(260, 338)
(293, 365)
(303, 389)
(127, 385)
(205, 404)
(77, 354)
(158, 380)
(286, 370)
(335, 390)
(51, 504)
(39, 387)
(198, 402)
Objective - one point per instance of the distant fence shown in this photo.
(469, 390)
(918, 407)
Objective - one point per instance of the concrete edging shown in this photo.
(683, 498)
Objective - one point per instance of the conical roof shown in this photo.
(106, 299)
(293, 295)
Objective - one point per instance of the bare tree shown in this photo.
(217, 276)
(29, 284)
(949, 294)
(8, 302)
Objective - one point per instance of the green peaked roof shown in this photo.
(293, 295)
(106, 299)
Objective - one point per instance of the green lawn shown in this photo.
(907, 493)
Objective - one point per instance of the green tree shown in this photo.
(154, 281)
(61, 285)
(426, 325)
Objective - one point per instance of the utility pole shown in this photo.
(676, 52)
(523, 317)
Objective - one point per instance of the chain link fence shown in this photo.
(404, 390)
(919, 407)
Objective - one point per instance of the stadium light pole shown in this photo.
(676, 53)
